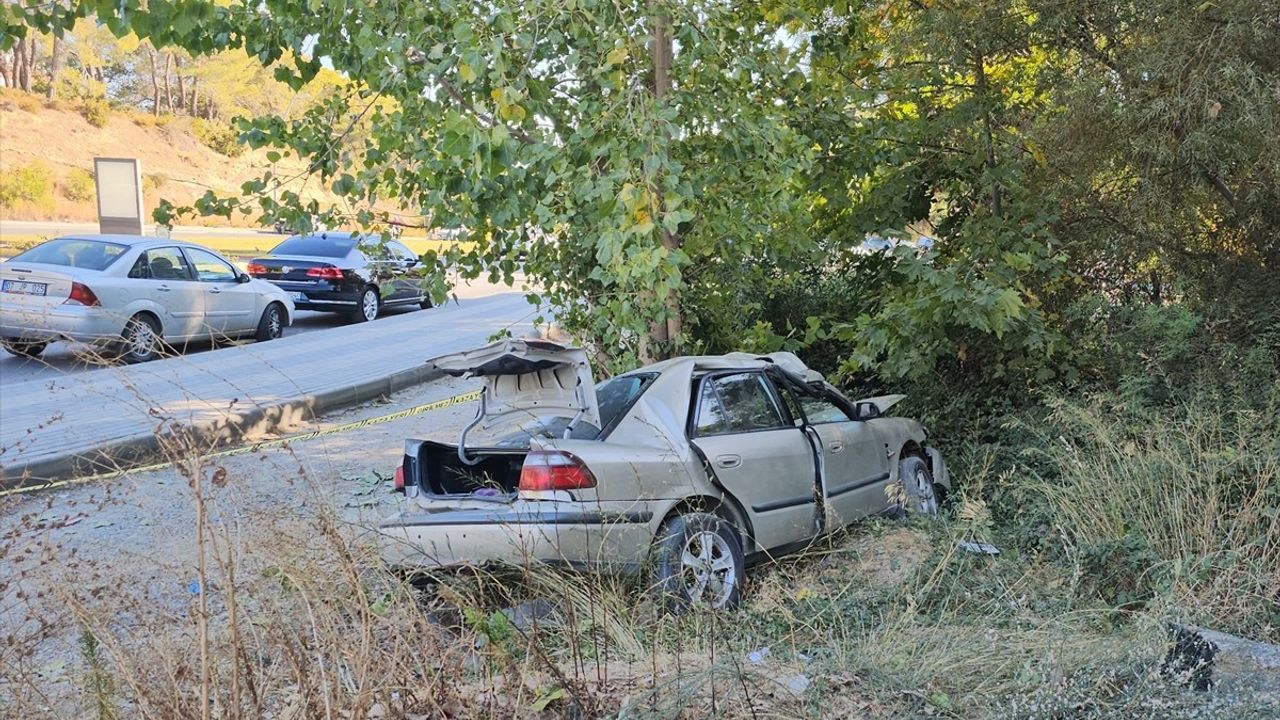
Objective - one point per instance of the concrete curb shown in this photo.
(122, 454)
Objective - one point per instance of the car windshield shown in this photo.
(334, 246)
(74, 252)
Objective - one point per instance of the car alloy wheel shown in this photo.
(708, 570)
(272, 324)
(917, 486)
(367, 309)
(697, 563)
(141, 340)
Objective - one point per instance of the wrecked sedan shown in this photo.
(689, 469)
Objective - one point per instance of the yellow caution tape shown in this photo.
(263, 445)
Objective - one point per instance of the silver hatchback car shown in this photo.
(134, 293)
(689, 469)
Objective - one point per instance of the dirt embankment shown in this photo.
(176, 165)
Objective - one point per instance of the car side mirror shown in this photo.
(243, 278)
(866, 411)
(411, 262)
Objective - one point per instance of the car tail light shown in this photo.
(255, 269)
(326, 272)
(81, 295)
(554, 470)
(398, 485)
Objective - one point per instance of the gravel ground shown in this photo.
(75, 544)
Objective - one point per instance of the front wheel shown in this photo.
(271, 326)
(917, 485)
(24, 348)
(141, 340)
(367, 306)
(697, 563)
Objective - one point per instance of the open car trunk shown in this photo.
(439, 471)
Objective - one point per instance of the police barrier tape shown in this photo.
(263, 445)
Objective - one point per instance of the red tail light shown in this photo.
(554, 470)
(327, 272)
(398, 485)
(81, 295)
(255, 269)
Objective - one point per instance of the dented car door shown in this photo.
(763, 461)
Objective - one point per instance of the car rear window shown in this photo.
(316, 246)
(74, 252)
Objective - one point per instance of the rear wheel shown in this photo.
(24, 348)
(367, 306)
(140, 340)
(271, 326)
(697, 563)
(426, 302)
(917, 485)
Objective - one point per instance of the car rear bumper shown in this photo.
(65, 322)
(318, 295)
(574, 536)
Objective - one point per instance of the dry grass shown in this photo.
(287, 612)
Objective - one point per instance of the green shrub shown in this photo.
(96, 111)
(218, 137)
(78, 186)
(31, 183)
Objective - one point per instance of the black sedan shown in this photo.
(344, 272)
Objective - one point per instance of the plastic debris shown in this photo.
(797, 684)
(978, 548)
(756, 657)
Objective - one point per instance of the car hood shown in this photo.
(535, 378)
(884, 402)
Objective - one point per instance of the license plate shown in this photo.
(22, 287)
(296, 296)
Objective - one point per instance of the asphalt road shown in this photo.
(65, 358)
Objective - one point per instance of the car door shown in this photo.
(164, 276)
(230, 306)
(854, 466)
(408, 287)
(763, 460)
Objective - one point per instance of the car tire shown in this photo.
(271, 326)
(140, 341)
(697, 563)
(426, 303)
(366, 309)
(921, 498)
(24, 348)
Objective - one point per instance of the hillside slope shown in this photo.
(175, 164)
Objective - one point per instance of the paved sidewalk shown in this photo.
(99, 420)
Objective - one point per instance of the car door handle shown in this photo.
(215, 291)
(837, 447)
(728, 461)
(163, 288)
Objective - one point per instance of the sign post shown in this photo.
(119, 184)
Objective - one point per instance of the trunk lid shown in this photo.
(289, 268)
(34, 286)
(529, 378)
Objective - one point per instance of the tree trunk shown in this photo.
(6, 65)
(155, 84)
(168, 90)
(55, 67)
(22, 66)
(182, 87)
(194, 107)
(988, 142)
(664, 332)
